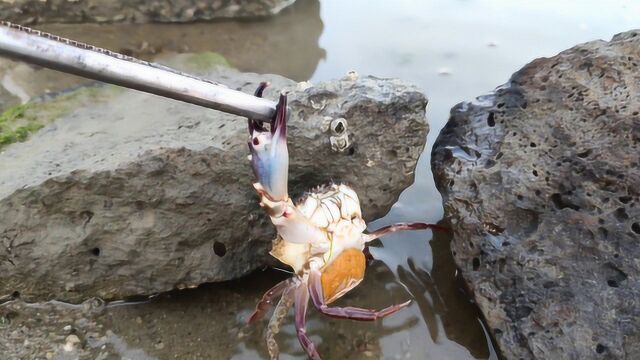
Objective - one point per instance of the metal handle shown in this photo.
(72, 57)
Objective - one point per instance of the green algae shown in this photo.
(206, 60)
(18, 122)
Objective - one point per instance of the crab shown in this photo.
(321, 237)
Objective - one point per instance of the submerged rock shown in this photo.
(542, 184)
(135, 194)
(82, 11)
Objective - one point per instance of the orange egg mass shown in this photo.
(343, 274)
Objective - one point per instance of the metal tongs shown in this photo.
(57, 53)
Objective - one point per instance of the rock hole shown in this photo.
(476, 263)
(533, 144)
(614, 275)
(95, 251)
(604, 233)
(489, 164)
(621, 214)
(219, 249)
(635, 227)
(535, 173)
(520, 197)
(585, 153)
(523, 311)
(351, 151)
(624, 199)
(561, 203)
(15, 294)
(600, 348)
(491, 121)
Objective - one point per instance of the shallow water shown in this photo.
(454, 50)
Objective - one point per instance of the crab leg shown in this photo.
(302, 301)
(280, 312)
(400, 227)
(267, 299)
(353, 313)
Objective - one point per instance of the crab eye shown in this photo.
(256, 141)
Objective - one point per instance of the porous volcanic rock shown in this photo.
(542, 185)
(135, 194)
(100, 11)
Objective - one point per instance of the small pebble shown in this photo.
(71, 342)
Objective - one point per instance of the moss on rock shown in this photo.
(19, 121)
(206, 60)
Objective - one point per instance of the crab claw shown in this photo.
(269, 154)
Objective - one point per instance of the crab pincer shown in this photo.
(269, 153)
(270, 162)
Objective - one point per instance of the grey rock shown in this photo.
(542, 185)
(135, 194)
(138, 11)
